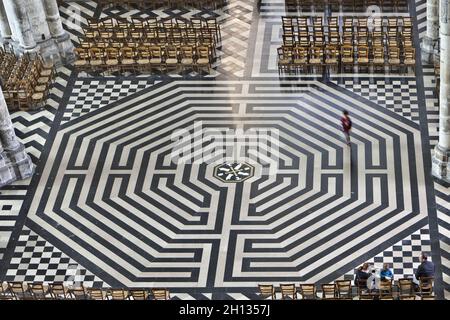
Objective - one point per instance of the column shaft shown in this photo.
(5, 30)
(432, 35)
(441, 168)
(20, 25)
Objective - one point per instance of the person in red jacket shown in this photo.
(346, 126)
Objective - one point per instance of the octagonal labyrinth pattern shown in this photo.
(111, 197)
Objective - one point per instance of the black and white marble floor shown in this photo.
(108, 207)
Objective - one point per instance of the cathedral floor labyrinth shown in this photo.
(227, 184)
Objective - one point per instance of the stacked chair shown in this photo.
(139, 45)
(26, 80)
(345, 44)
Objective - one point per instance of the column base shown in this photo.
(50, 52)
(441, 164)
(15, 165)
(65, 47)
(427, 50)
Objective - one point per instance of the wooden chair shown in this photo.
(331, 57)
(378, 61)
(405, 287)
(362, 57)
(77, 293)
(387, 298)
(171, 58)
(426, 286)
(431, 297)
(394, 58)
(409, 59)
(410, 297)
(308, 291)
(117, 294)
(96, 294)
(39, 291)
(57, 290)
(300, 58)
(156, 58)
(316, 58)
(143, 58)
(385, 289)
(344, 289)
(112, 59)
(160, 294)
(20, 291)
(187, 57)
(203, 58)
(267, 290)
(138, 294)
(288, 290)
(127, 59)
(347, 59)
(96, 59)
(329, 291)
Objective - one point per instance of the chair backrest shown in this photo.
(57, 290)
(160, 294)
(426, 285)
(308, 291)
(288, 290)
(328, 291)
(266, 289)
(78, 293)
(139, 294)
(17, 288)
(343, 288)
(37, 289)
(405, 287)
(117, 294)
(95, 294)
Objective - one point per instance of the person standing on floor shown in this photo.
(346, 126)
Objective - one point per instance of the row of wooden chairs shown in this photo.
(343, 289)
(308, 59)
(150, 25)
(143, 58)
(59, 291)
(350, 4)
(156, 4)
(26, 80)
(298, 22)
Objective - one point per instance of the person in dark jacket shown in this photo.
(362, 273)
(425, 269)
(346, 125)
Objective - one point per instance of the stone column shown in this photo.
(441, 166)
(15, 164)
(432, 36)
(5, 30)
(21, 28)
(38, 20)
(57, 31)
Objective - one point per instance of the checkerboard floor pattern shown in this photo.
(89, 95)
(398, 95)
(37, 260)
(403, 257)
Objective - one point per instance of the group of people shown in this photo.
(366, 273)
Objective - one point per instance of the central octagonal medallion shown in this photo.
(233, 172)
